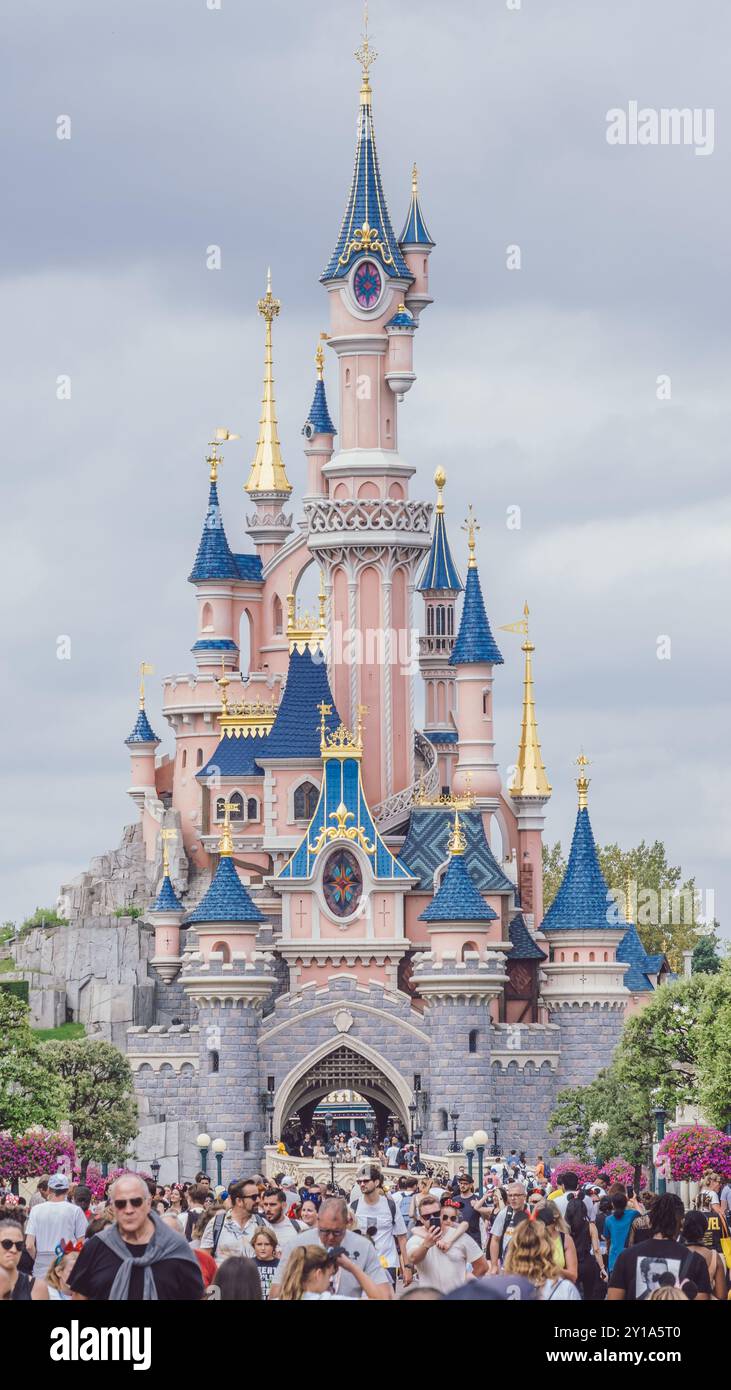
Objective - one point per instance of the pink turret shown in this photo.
(474, 656)
(143, 744)
(416, 246)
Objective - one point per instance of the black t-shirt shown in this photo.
(639, 1268)
(97, 1265)
(468, 1213)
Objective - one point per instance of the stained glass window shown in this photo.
(342, 883)
(367, 284)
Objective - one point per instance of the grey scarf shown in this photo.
(165, 1244)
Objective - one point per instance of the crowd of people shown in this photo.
(403, 1235)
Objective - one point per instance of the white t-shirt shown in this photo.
(562, 1203)
(557, 1290)
(378, 1214)
(444, 1270)
(392, 1154)
(49, 1223)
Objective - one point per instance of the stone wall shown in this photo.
(523, 1095)
(588, 1035)
(459, 1079)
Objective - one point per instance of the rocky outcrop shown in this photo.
(114, 880)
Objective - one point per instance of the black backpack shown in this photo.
(391, 1207)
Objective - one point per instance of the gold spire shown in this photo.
(145, 670)
(530, 774)
(457, 840)
(320, 362)
(226, 844)
(223, 682)
(366, 56)
(471, 527)
(307, 630)
(582, 781)
(166, 835)
(268, 473)
(415, 181)
(213, 459)
(440, 480)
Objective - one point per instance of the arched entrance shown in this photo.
(343, 1066)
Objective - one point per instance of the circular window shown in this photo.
(342, 883)
(367, 284)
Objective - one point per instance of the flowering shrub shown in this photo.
(586, 1172)
(99, 1184)
(619, 1170)
(33, 1153)
(691, 1151)
(616, 1169)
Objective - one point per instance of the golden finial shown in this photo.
(226, 844)
(530, 775)
(166, 835)
(457, 840)
(582, 781)
(628, 913)
(366, 56)
(471, 527)
(414, 180)
(145, 670)
(362, 712)
(223, 682)
(322, 599)
(268, 473)
(440, 480)
(213, 459)
(320, 362)
(290, 603)
(324, 710)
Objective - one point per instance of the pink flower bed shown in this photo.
(33, 1153)
(691, 1151)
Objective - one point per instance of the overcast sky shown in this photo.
(536, 388)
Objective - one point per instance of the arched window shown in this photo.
(443, 1120)
(426, 266)
(221, 808)
(305, 801)
(199, 757)
(591, 955)
(576, 955)
(388, 428)
(184, 758)
(430, 622)
(347, 376)
(207, 618)
(213, 1061)
(450, 621)
(223, 949)
(247, 1141)
(606, 955)
(486, 703)
(563, 955)
(277, 618)
(473, 1040)
(440, 620)
(237, 806)
(469, 948)
(252, 808)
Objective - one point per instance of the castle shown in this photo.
(324, 909)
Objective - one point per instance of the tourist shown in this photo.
(58, 1275)
(591, 1273)
(694, 1234)
(81, 1197)
(229, 1232)
(558, 1235)
(473, 1207)
(306, 1147)
(198, 1197)
(312, 1271)
(41, 1192)
(332, 1233)
(23, 1287)
(640, 1228)
(52, 1222)
(503, 1227)
(439, 1252)
(285, 1228)
(569, 1185)
(540, 1169)
(379, 1217)
(139, 1257)
(237, 1281)
(307, 1214)
(617, 1228)
(638, 1270)
(529, 1255)
(392, 1154)
(709, 1202)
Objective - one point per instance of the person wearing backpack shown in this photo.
(591, 1274)
(229, 1232)
(378, 1217)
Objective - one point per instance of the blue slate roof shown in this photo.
(227, 900)
(524, 947)
(415, 232)
(632, 953)
(475, 643)
(235, 757)
(215, 644)
(342, 783)
(166, 900)
(366, 203)
(250, 567)
(426, 847)
(213, 559)
(402, 319)
(142, 732)
(295, 732)
(319, 416)
(583, 899)
(442, 735)
(458, 900)
(440, 571)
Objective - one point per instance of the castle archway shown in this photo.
(342, 1065)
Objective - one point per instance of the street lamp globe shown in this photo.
(203, 1141)
(219, 1146)
(480, 1138)
(469, 1144)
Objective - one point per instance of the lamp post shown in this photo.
(267, 1105)
(481, 1141)
(203, 1142)
(417, 1140)
(219, 1147)
(660, 1114)
(155, 1169)
(412, 1119)
(468, 1145)
(455, 1147)
(495, 1122)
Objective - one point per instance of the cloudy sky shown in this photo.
(537, 388)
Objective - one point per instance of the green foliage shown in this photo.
(18, 988)
(7, 963)
(128, 912)
(706, 960)
(714, 1047)
(554, 868)
(30, 1094)
(43, 917)
(102, 1105)
(67, 1032)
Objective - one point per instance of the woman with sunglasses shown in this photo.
(139, 1257)
(23, 1287)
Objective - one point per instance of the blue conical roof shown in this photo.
(475, 643)
(632, 953)
(458, 900)
(415, 232)
(319, 416)
(166, 900)
(214, 559)
(295, 732)
(366, 204)
(440, 571)
(582, 902)
(142, 731)
(227, 900)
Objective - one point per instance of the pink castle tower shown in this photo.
(440, 586)
(366, 535)
(474, 655)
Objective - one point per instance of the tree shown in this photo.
(554, 868)
(30, 1093)
(714, 1047)
(705, 956)
(101, 1103)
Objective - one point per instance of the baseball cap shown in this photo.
(287, 1182)
(58, 1183)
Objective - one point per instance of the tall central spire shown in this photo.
(530, 775)
(268, 473)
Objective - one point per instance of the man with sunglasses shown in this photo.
(231, 1233)
(439, 1249)
(137, 1258)
(333, 1234)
